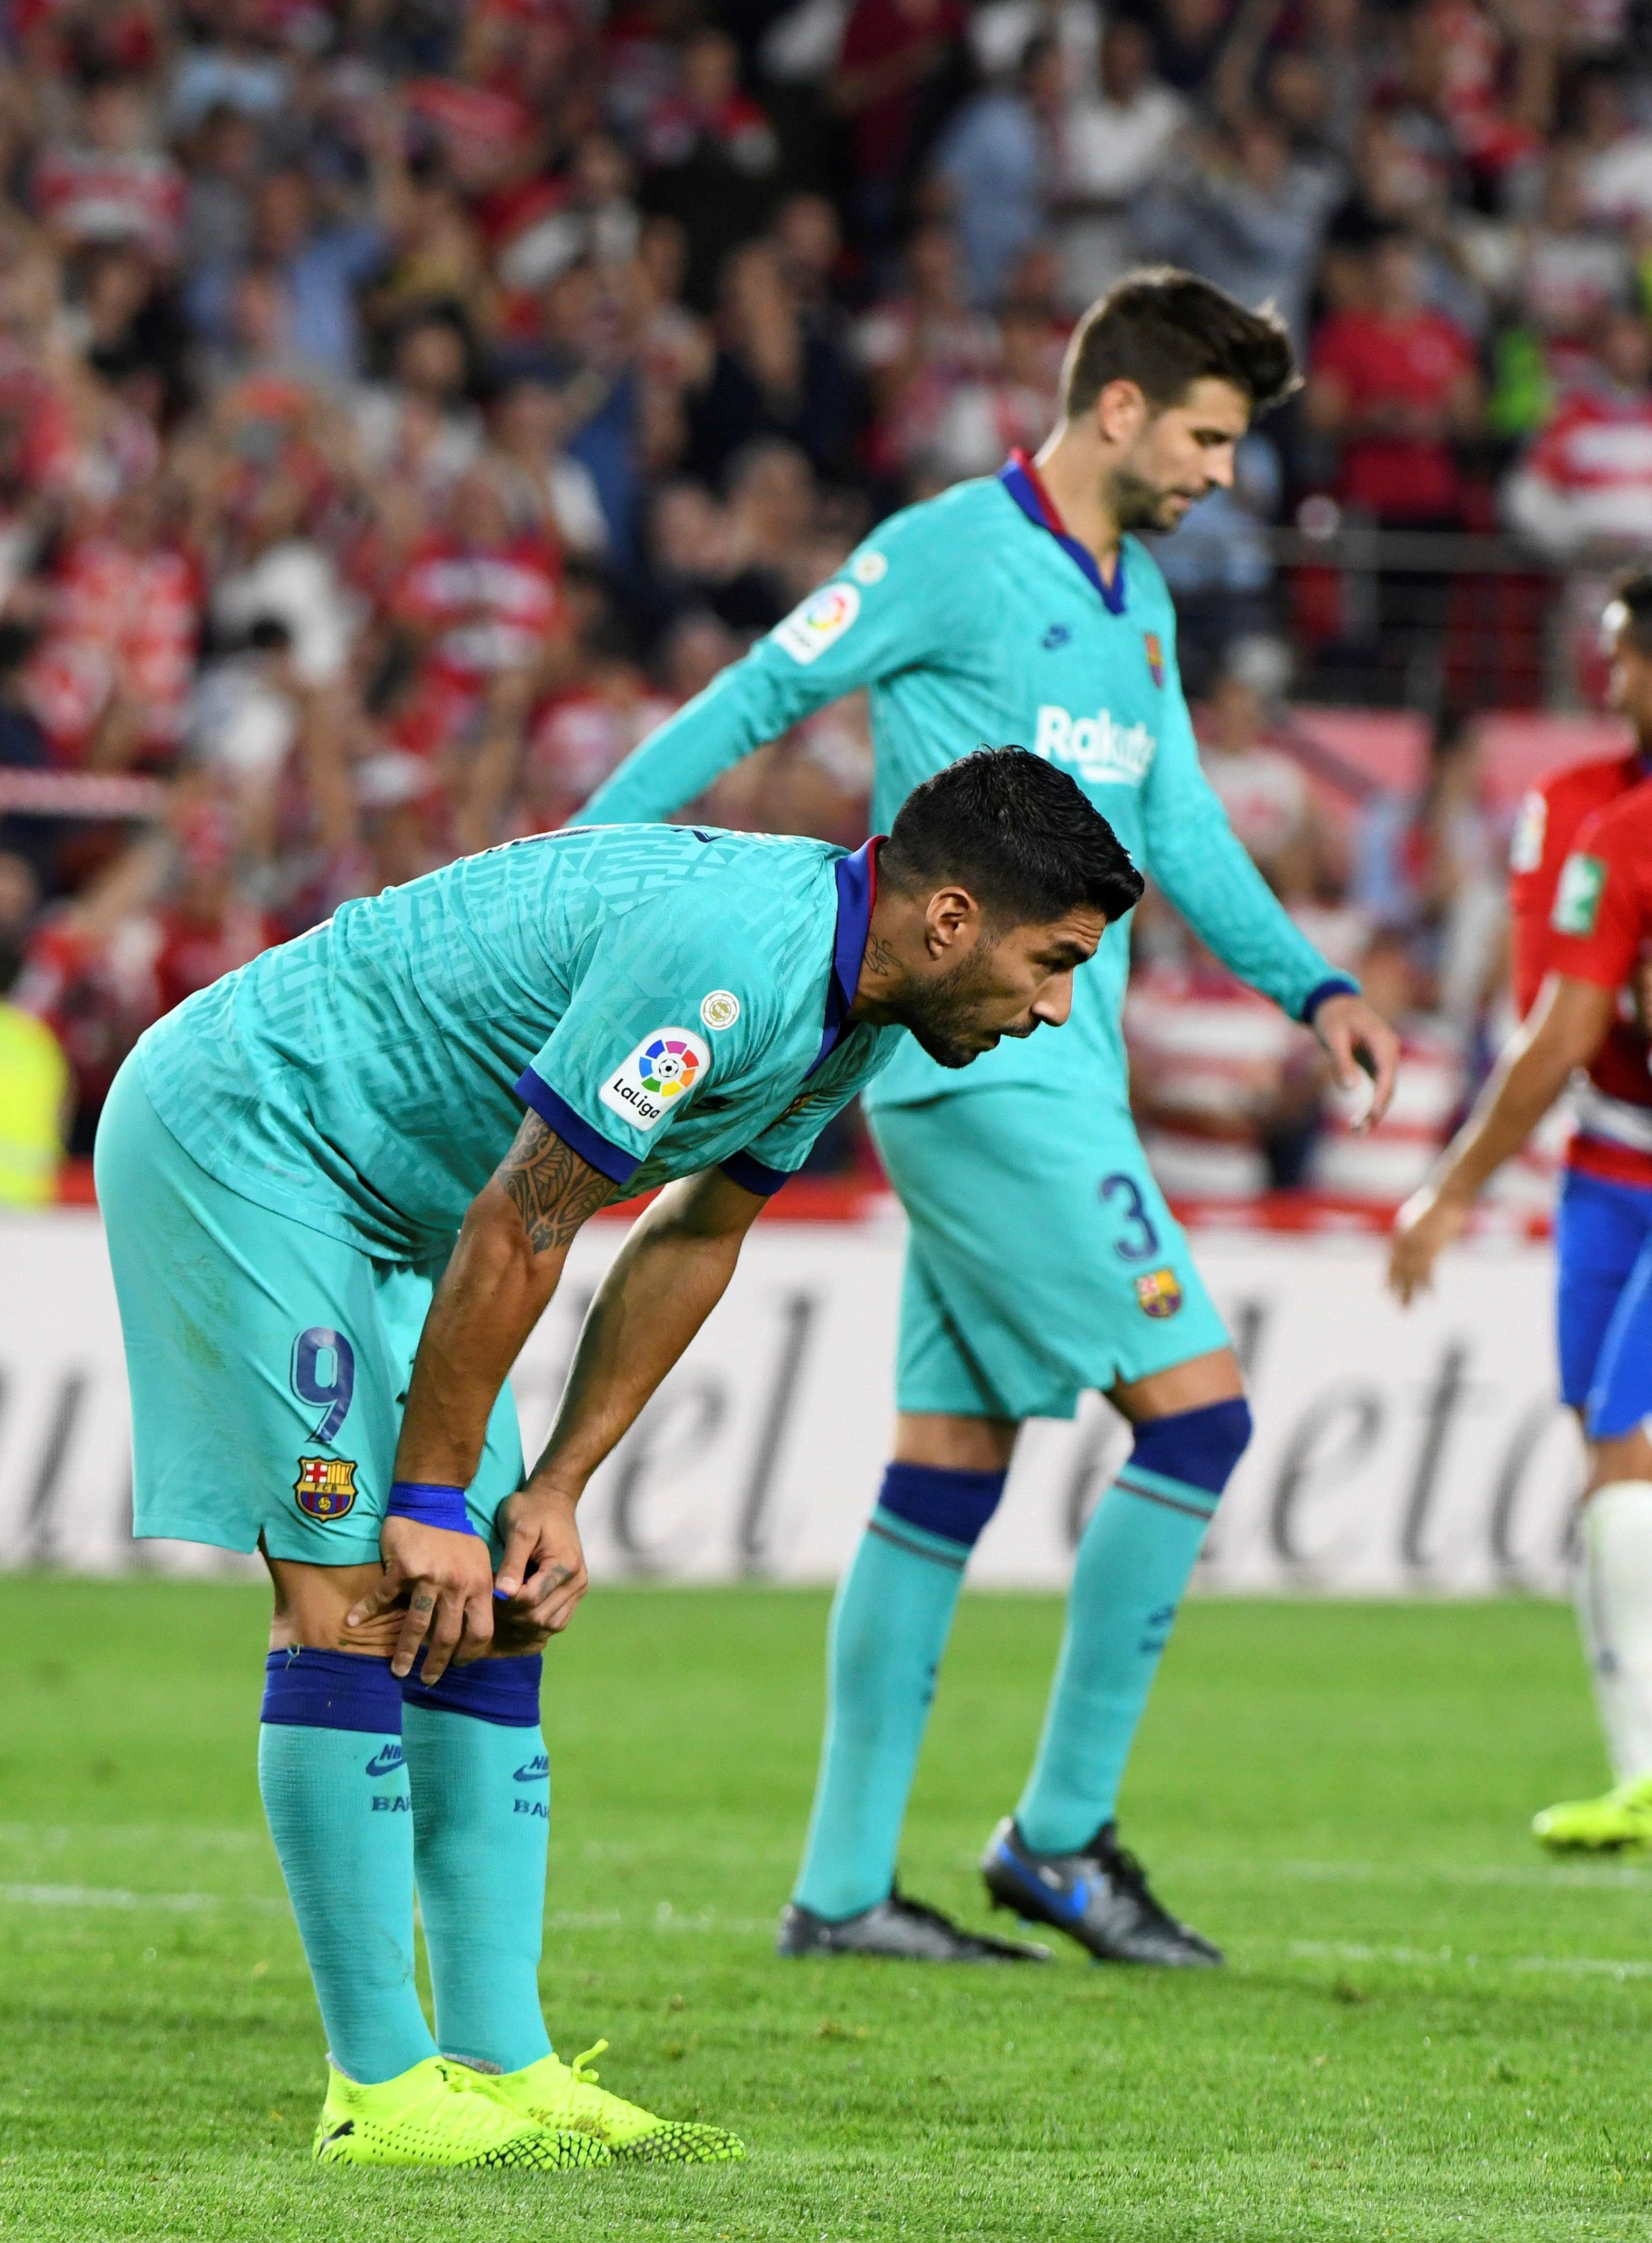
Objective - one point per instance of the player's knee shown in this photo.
(1199, 1447)
(311, 1602)
(942, 1501)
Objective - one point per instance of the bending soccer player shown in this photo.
(1581, 891)
(1042, 1259)
(340, 1186)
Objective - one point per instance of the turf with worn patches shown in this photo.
(1425, 2029)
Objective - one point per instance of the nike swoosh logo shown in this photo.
(385, 1761)
(534, 1771)
(1072, 1903)
(338, 2133)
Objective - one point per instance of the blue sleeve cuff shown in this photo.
(1339, 985)
(753, 1175)
(618, 1166)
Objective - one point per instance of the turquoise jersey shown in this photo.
(973, 621)
(669, 999)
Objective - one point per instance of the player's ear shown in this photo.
(950, 922)
(1121, 411)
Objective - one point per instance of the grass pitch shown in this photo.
(1424, 2029)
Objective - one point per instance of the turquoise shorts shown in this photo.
(1040, 1261)
(268, 1364)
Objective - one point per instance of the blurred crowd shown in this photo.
(404, 404)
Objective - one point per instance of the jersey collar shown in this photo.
(857, 879)
(1025, 485)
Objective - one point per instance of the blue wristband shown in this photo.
(430, 1503)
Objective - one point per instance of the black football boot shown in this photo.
(1098, 1896)
(903, 1931)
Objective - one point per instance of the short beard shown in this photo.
(1137, 505)
(933, 1012)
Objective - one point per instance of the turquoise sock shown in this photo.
(335, 1793)
(481, 1784)
(1133, 1564)
(889, 1628)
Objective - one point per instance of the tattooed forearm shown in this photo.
(553, 1189)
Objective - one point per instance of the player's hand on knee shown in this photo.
(446, 1582)
(542, 1572)
(1425, 1226)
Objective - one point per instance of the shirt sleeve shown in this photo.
(1597, 920)
(632, 1052)
(885, 609)
(1202, 865)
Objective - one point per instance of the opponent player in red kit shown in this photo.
(1581, 899)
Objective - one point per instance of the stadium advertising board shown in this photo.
(1394, 1454)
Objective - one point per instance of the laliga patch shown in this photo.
(819, 623)
(1577, 901)
(1525, 850)
(326, 1486)
(721, 1009)
(657, 1076)
(1159, 1293)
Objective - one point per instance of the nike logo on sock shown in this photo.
(387, 1758)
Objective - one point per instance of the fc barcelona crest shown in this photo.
(1154, 653)
(326, 1486)
(1159, 1293)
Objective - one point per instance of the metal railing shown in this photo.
(1436, 621)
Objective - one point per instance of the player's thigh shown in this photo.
(265, 1389)
(1601, 1232)
(1620, 1396)
(1042, 1260)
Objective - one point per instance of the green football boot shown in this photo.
(1620, 1817)
(566, 2098)
(440, 2114)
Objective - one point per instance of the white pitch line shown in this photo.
(1434, 1958)
(1584, 1875)
(119, 1896)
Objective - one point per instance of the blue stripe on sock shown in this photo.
(307, 1689)
(916, 1543)
(503, 1691)
(955, 1504)
(1174, 1494)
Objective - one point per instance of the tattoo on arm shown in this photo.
(553, 1188)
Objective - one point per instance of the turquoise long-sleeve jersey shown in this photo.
(972, 619)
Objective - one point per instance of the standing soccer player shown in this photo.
(1580, 892)
(1042, 1259)
(333, 1226)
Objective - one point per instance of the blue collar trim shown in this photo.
(1020, 478)
(857, 879)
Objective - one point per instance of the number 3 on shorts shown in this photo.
(324, 1375)
(1145, 1242)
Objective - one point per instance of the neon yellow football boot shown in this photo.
(566, 2096)
(442, 2114)
(1620, 1817)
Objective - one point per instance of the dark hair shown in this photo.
(1165, 330)
(1634, 595)
(1023, 839)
